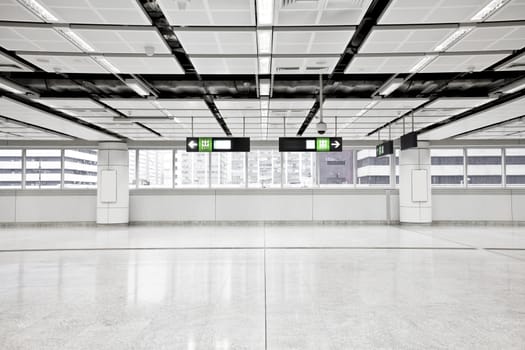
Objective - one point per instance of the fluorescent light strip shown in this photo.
(106, 64)
(422, 63)
(453, 38)
(264, 64)
(75, 39)
(488, 10)
(265, 12)
(38, 10)
(513, 88)
(264, 41)
(12, 87)
(264, 87)
(391, 87)
(137, 87)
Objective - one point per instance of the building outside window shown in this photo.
(191, 169)
(43, 168)
(155, 168)
(264, 169)
(484, 167)
(447, 167)
(132, 168)
(336, 168)
(227, 169)
(80, 168)
(299, 169)
(372, 170)
(10, 168)
(515, 166)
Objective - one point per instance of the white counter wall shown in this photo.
(359, 205)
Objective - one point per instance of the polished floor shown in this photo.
(263, 287)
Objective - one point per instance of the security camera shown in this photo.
(321, 128)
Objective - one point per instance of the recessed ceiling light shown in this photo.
(39, 10)
(488, 10)
(265, 12)
(75, 39)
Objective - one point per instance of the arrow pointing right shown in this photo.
(192, 144)
(336, 144)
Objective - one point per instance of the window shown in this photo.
(43, 168)
(80, 168)
(447, 167)
(155, 168)
(484, 166)
(227, 169)
(515, 166)
(264, 169)
(372, 170)
(191, 169)
(299, 169)
(10, 168)
(132, 168)
(336, 168)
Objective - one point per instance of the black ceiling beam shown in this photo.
(375, 10)
(160, 21)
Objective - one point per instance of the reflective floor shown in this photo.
(258, 287)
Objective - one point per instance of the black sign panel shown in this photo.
(310, 144)
(409, 140)
(218, 144)
(385, 148)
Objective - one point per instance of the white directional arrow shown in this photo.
(192, 144)
(336, 144)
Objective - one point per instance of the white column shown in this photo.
(112, 183)
(415, 196)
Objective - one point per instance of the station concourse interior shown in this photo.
(262, 174)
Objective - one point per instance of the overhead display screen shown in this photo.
(310, 144)
(218, 144)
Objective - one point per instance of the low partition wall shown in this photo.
(208, 205)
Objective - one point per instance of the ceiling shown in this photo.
(157, 70)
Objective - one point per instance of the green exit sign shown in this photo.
(205, 144)
(322, 144)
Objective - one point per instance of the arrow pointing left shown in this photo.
(192, 144)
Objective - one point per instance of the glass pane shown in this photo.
(80, 168)
(191, 169)
(447, 167)
(372, 170)
(264, 169)
(515, 166)
(336, 168)
(299, 169)
(484, 166)
(43, 168)
(10, 168)
(397, 167)
(155, 168)
(132, 170)
(227, 169)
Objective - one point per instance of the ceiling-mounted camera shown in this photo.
(321, 128)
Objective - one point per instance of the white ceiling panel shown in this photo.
(209, 12)
(462, 63)
(196, 113)
(27, 114)
(146, 65)
(493, 115)
(97, 11)
(517, 63)
(303, 65)
(512, 11)
(240, 113)
(218, 42)
(128, 103)
(34, 38)
(8, 64)
(11, 10)
(382, 64)
(242, 104)
(400, 39)
(458, 102)
(346, 103)
(63, 63)
(70, 103)
(322, 12)
(399, 103)
(492, 38)
(311, 42)
(122, 39)
(142, 113)
(183, 104)
(225, 65)
(431, 11)
(291, 103)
